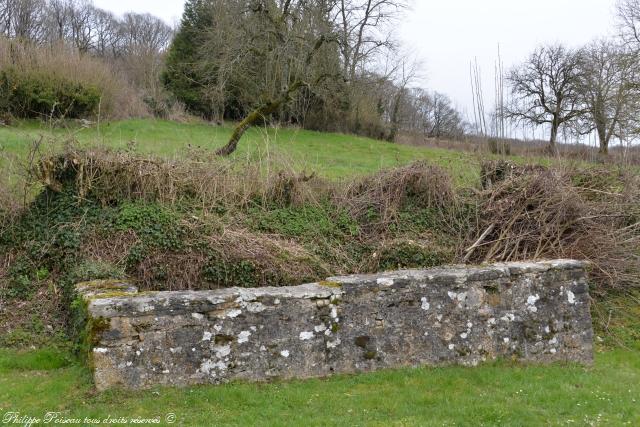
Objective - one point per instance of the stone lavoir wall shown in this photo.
(534, 312)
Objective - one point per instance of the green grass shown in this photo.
(331, 155)
(504, 394)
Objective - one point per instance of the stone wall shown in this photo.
(534, 312)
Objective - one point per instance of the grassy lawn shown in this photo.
(608, 394)
(333, 156)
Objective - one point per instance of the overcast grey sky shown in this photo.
(447, 34)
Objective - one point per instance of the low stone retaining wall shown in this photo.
(534, 312)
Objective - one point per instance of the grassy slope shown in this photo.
(331, 155)
(495, 394)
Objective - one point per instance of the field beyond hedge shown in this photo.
(331, 155)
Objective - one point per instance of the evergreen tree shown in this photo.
(182, 76)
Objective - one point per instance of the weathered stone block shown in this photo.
(534, 312)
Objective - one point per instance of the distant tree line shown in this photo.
(81, 24)
(331, 65)
(133, 45)
(592, 89)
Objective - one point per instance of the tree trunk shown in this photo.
(257, 114)
(394, 117)
(554, 136)
(604, 142)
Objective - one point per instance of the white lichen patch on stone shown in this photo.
(571, 297)
(457, 297)
(383, 281)
(464, 335)
(100, 350)
(284, 353)
(425, 304)
(197, 316)
(491, 321)
(255, 307)
(233, 313)
(452, 346)
(509, 317)
(506, 340)
(333, 344)
(208, 366)
(222, 351)
(531, 303)
(207, 336)
(320, 328)
(145, 307)
(243, 337)
(305, 336)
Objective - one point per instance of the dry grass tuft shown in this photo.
(384, 194)
(236, 257)
(213, 183)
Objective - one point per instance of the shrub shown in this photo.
(70, 78)
(36, 95)
(408, 254)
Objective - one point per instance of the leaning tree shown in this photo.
(288, 37)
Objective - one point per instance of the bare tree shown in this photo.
(360, 25)
(23, 19)
(608, 88)
(81, 29)
(435, 115)
(545, 91)
(144, 34)
(407, 73)
(628, 17)
(108, 34)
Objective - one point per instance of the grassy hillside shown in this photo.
(332, 156)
